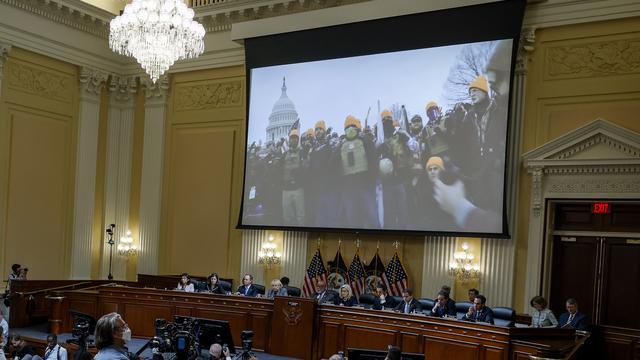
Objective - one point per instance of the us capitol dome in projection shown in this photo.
(282, 116)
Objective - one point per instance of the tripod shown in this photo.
(244, 355)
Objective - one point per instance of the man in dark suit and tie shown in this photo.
(573, 319)
(479, 312)
(444, 305)
(324, 296)
(247, 288)
(409, 305)
(383, 299)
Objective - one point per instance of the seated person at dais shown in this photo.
(324, 295)
(444, 305)
(53, 350)
(479, 312)
(383, 299)
(247, 288)
(394, 353)
(409, 304)
(346, 296)
(185, 283)
(573, 319)
(213, 284)
(542, 316)
(276, 289)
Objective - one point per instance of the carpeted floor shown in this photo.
(40, 332)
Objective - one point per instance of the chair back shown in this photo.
(294, 291)
(225, 285)
(366, 300)
(504, 316)
(260, 288)
(427, 304)
(462, 307)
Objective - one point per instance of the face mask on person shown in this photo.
(126, 334)
(351, 133)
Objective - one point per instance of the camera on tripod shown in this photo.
(179, 337)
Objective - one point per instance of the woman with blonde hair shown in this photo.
(276, 289)
(346, 296)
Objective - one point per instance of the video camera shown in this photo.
(179, 337)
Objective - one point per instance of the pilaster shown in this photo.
(91, 83)
(155, 113)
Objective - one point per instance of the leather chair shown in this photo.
(398, 299)
(504, 316)
(260, 288)
(366, 300)
(462, 308)
(199, 285)
(427, 304)
(294, 291)
(225, 285)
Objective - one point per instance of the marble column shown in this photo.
(91, 83)
(155, 113)
(117, 182)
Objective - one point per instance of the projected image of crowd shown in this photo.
(441, 169)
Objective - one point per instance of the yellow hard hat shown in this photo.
(386, 113)
(431, 104)
(435, 161)
(321, 125)
(352, 121)
(481, 83)
(309, 133)
(294, 132)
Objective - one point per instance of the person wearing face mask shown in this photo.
(53, 350)
(294, 165)
(216, 352)
(357, 159)
(111, 336)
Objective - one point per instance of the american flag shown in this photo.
(394, 277)
(357, 275)
(315, 272)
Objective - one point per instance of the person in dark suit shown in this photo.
(573, 319)
(213, 284)
(324, 296)
(346, 296)
(409, 305)
(383, 299)
(247, 288)
(444, 305)
(479, 312)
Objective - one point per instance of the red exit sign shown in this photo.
(601, 208)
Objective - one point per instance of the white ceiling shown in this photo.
(112, 6)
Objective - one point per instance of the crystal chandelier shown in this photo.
(463, 268)
(269, 254)
(157, 33)
(126, 247)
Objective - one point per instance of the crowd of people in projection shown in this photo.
(440, 173)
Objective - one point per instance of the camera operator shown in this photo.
(112, 333)
(217, 352)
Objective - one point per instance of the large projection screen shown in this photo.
(398, 124)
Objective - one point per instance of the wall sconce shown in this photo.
(126, 247)
(269, 254)
(463, 268)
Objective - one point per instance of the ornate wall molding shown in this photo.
(604, 185)
(72, 13)
(123, 88)
(599, 139)
(600, 58)
(536, 190)
(527, 42)
(92, 81)
(4, 54)
(157, 90)
(36, 81)
(209, 96)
